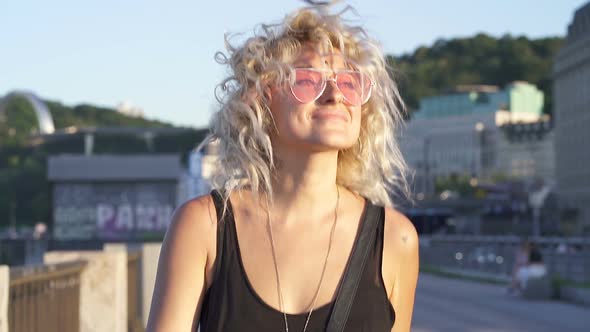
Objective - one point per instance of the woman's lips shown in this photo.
(330, 114)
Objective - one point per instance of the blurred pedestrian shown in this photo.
(521, 260)
(534, 269)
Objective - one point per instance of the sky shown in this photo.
(159, 55)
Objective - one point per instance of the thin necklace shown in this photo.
(274, 257)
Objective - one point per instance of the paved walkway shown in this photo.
(459, 306)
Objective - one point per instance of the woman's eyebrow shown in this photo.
(302, 63)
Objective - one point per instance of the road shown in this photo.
(459, 306)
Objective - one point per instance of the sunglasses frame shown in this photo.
(333, 78)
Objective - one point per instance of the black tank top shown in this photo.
(231, 304)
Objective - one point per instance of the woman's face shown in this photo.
(328, 123)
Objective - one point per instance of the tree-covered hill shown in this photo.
(19, 120)
(481, 59)
(88, 115)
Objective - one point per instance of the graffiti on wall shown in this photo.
(112, 211)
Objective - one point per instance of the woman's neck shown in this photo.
(304, 185)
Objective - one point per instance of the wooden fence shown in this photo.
(47, 297)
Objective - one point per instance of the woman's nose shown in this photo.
(331, 93)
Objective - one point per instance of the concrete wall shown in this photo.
(571, 74)
(4, 287)
(103, 288)
(150, 252)
(131, 248)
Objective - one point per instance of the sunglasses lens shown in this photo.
(355, 87)
(307, 85)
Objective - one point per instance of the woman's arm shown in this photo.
(181, 279)
(401, 265)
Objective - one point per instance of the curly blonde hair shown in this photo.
(373, 167)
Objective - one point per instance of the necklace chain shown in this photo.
(274, 257)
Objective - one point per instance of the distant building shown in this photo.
(480, 131)
(84, 138)
(523, 101)
(128, 109)
(113, 197)
(196, 180)
(526, 150)
(571, 79)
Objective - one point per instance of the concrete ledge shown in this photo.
(491, 277)
(103, 288)
(580, 296)
(575, 295)
(538, 289)
(4, 288)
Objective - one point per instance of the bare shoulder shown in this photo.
(197, 214)
(400, 233)
(400, 266)
(183, 266)
(192, 230)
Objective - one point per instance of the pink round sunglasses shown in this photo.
(308, 84)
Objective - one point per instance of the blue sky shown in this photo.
(158, 55)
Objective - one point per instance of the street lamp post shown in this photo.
(12, 228)
(426, 164)
(536, 201)
(477, 164)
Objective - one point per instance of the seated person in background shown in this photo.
(534, 269)
(521, 260)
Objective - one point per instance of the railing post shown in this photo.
(4, 287)
(149, 256)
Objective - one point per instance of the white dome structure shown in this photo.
(44, 118)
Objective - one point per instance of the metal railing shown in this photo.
(45, 298)
(134, 322)
(566, 258)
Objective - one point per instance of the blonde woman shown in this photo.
(308, 158)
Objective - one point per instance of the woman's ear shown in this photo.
(267, 95)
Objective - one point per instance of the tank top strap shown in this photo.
(223, 216)
(226, 234)
(215, 298)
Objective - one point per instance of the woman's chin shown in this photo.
(320, 140)
(332, 142)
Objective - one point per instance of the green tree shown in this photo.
(481, 59)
